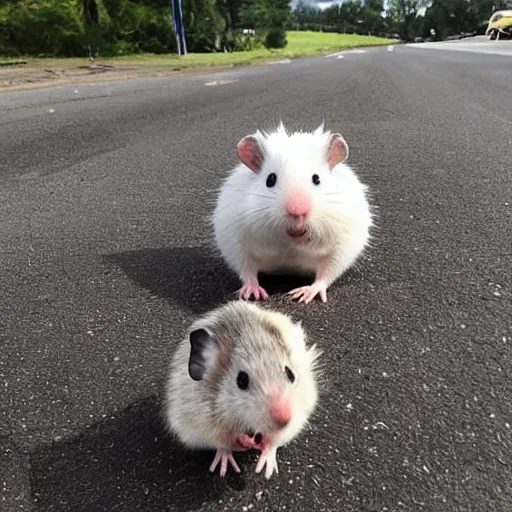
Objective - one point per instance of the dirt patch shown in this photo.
(31, 77)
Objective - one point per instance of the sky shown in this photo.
(324, 4)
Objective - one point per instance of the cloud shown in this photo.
(322, 4)
(325, 4)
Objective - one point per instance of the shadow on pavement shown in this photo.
(191, 276)
(126, 463)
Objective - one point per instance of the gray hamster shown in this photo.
(243, 378)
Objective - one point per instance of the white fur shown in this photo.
(206, 413)
(250, 221)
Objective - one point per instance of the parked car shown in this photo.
(500, 25)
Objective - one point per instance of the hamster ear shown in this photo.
(338, 151)
(250, 153)
(202, 352)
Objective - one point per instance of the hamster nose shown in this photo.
(298, 204)
(281, 413)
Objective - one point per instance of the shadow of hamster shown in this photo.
(197, 280)
(283, 282)
(190, 277)
(126, 463)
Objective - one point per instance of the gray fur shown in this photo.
(207, 413)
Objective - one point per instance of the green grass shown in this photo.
(300, 44)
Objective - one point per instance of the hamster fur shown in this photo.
(207, 403)
(311, 216)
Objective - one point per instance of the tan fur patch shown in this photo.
(276, 333)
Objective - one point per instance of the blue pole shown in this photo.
(175, 21)
(182, 27)
(177, 14)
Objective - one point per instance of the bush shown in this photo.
(118, 48)
(119, 27)
(143, 27)
(273, 17)
(50, 27)
(276, 38)
(204, 26)
(482, 27)
(238, 41)
(66, 28)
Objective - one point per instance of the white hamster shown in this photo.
(292, 204)
(242, 379)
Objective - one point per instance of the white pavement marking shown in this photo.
(284, 61)
(333, 54)
(341, 56)
(220, 82)
(390, 48)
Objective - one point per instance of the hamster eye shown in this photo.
(289, 374)
(316, 179)
(271, 180)
(242, 380)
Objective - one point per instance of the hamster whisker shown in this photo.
(276, 225)
(259, 209)
(257, 195)
(232, 225)
(330, 216)
(334, 199)
(252, 194)
(337, 205)
(330, 201)
(271, 223)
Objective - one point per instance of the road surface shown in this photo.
(106, 256)
(479, 44)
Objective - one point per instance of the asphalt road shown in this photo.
(479, 44)
(106, 257)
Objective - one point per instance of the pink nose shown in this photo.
(281, 413)
(298, 204)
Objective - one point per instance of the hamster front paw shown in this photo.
(224, 457)
(268, 459)
(308, 293)
(252, 288)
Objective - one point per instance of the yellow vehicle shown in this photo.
(500, 25)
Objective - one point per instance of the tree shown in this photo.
(232, 11)
(307, 17)
(47, 28)
(351, 16)
(373, 22)
(482, 9)
(271, 17)
(332, 19)
(408, 18)
(204, 26)
(402, 14)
